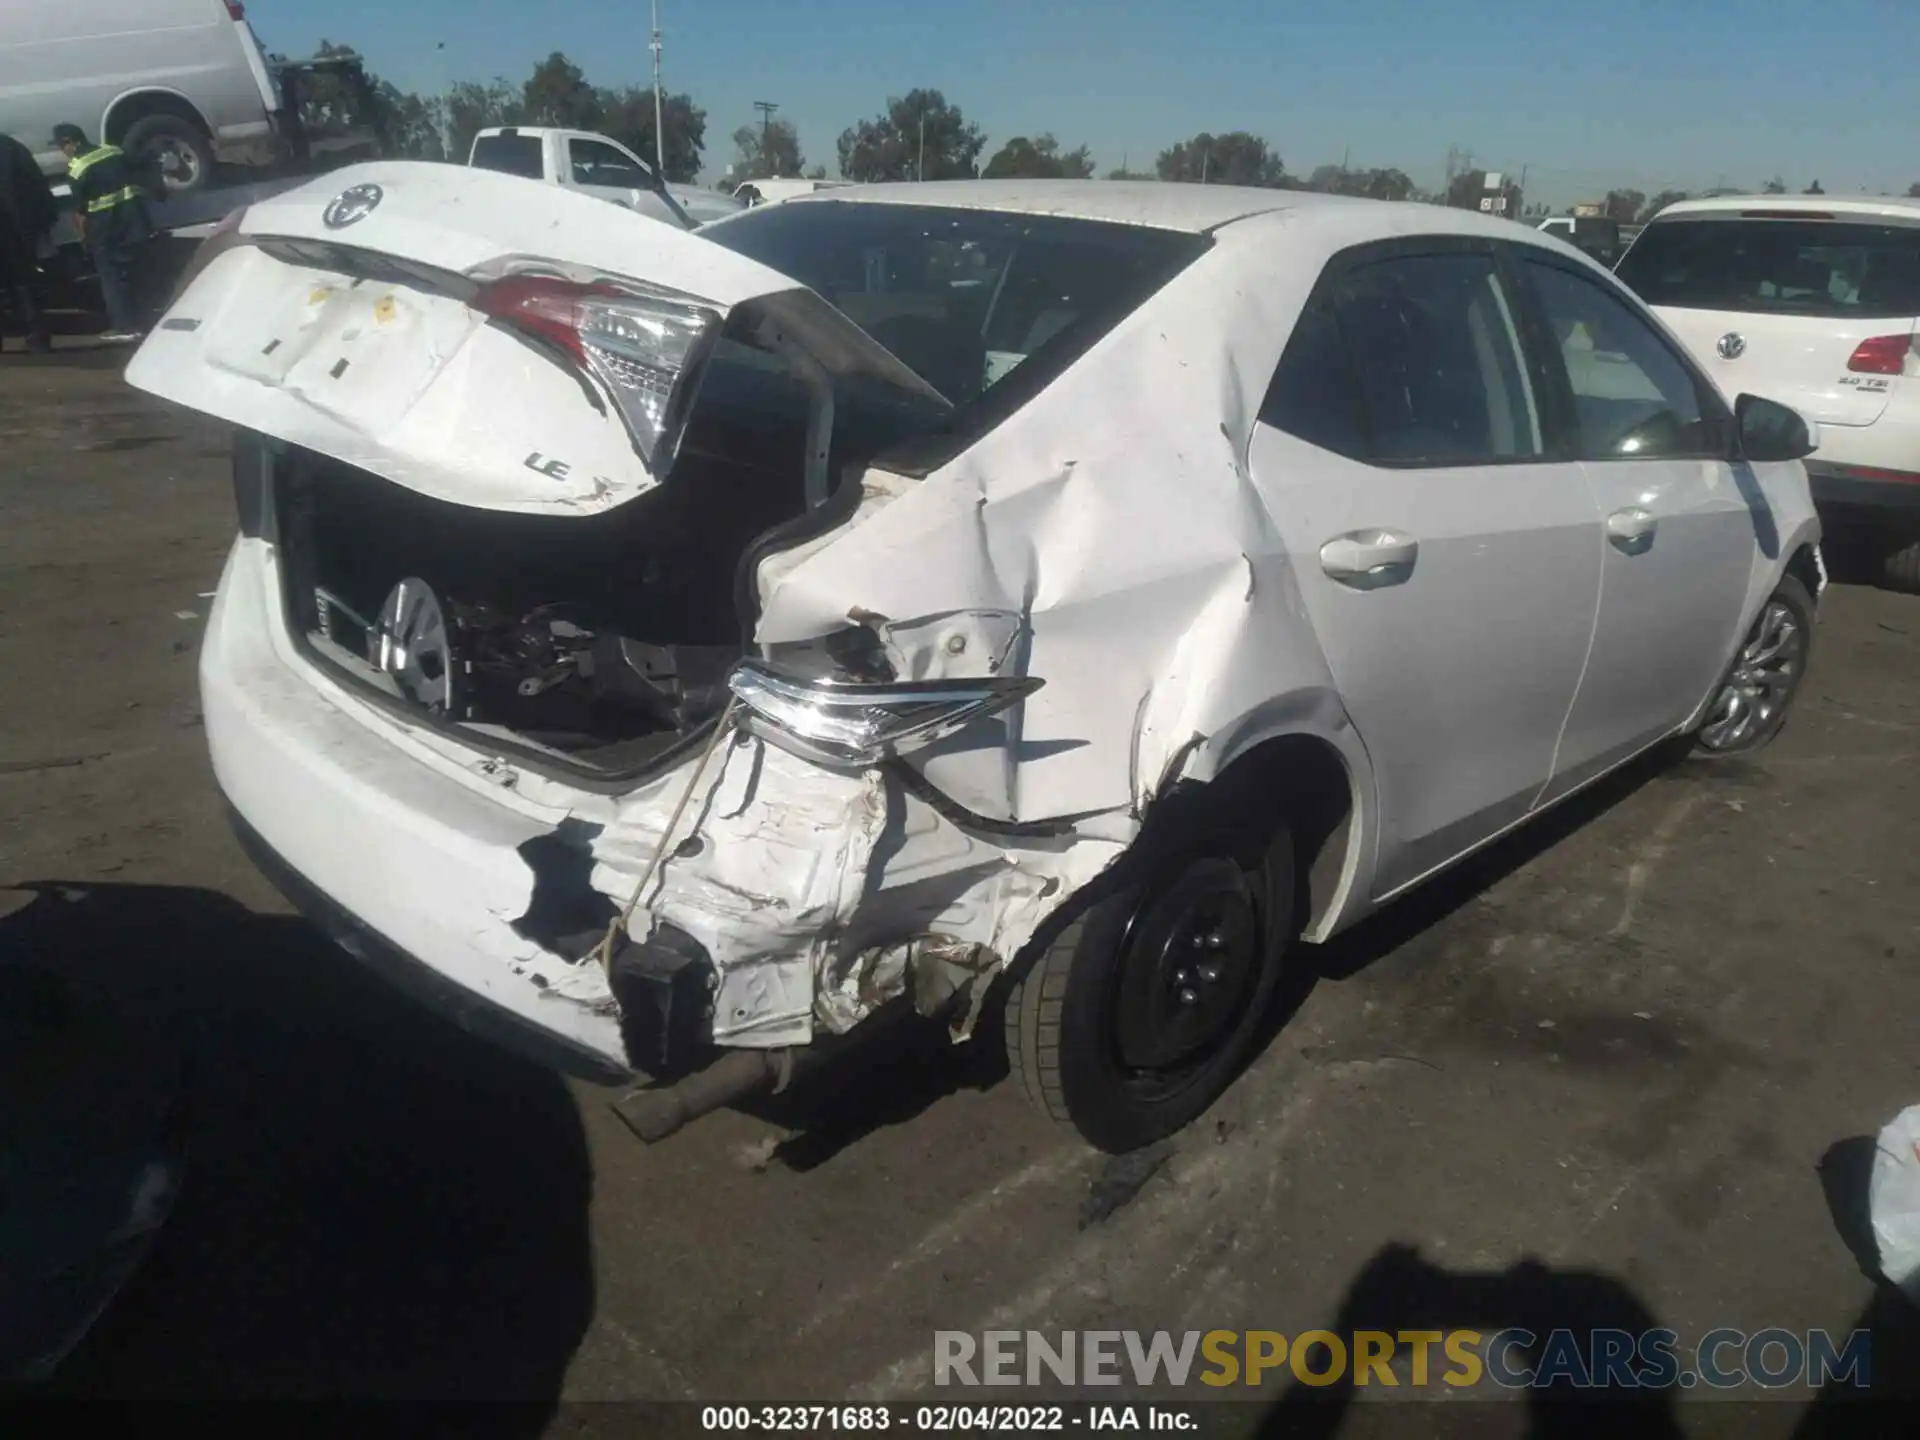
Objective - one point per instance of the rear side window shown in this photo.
(1412, 362)
(510, 155)
(1834, 269)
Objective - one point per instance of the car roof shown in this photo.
(1902, 209)
(1156, 204)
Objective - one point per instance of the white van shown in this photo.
(184, 78)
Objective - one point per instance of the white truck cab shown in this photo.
(596, 165)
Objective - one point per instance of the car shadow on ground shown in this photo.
(375, 1204)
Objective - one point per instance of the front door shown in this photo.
(1682, 524)
(1450, 566)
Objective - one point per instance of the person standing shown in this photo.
(27, 213)
(113, 222)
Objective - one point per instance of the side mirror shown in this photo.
(1772, 431)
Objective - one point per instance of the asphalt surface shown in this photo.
(1590, 1079)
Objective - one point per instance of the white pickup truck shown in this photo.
(600, 166)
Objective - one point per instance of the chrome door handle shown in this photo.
(1369, 557)
(1630, 526)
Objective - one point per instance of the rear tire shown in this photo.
(1142, 1010)
(184, 151)
(1901, 569)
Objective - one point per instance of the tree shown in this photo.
(1623, 206)
(818, 172)
(1370, 184)
(1775, 186)
(557, 93)
(1661, 202)
(918, 136)
(1038, 159)
(1913, 191)
(627, 116)
(1236, 158)
(1813, 189)
(768, 150)
(470, 107)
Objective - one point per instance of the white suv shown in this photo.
(1813, 301)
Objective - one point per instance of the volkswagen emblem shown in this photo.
(351, 206)
(1732, 345)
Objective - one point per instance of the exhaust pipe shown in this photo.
(653, 1112)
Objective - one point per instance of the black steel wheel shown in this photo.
(1143, 1010)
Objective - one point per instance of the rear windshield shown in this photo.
(1829, 268)
(510, 155)
(986, 307)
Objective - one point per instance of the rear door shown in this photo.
(1681, 525)
(1448, 561)
(1813, 309)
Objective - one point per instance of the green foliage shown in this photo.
(918, 136)
(1040, 158)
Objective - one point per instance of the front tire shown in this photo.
(1141, 1012)
(1750, 708)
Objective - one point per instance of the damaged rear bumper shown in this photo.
(814, 897)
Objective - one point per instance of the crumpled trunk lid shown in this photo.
(337, 317)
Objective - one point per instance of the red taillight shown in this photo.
(540, 306)
(235, 10)
(1882, 355)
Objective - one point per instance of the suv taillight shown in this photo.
(1882, 355)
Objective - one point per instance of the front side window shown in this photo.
(1633, 398)
(596, 163)
(1412, 361)
(1830, 269)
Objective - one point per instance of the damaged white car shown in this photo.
(690, 647)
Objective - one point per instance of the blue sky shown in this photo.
(1586, 94)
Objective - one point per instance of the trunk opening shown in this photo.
(601, 642)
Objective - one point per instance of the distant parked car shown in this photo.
(767, 191)
(686, 649)
(600, 166)
(184, 80)
(1815, 300)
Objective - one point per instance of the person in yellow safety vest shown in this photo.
(112, 218)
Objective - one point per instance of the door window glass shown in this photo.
(1412, 361)
(1633, 397)
(597, 163)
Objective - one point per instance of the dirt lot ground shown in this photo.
(1590, 1080)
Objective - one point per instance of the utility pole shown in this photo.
(920, 163)
(659, 108)
(766, 109)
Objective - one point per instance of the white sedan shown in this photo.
(684, 650)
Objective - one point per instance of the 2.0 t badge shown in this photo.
(352, 205)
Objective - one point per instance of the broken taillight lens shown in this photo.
(843, 725)
(646, 351)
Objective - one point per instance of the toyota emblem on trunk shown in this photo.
(351, 206)
(1732, 345)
